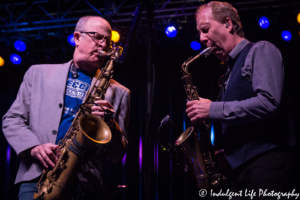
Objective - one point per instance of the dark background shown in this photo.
(150, 68)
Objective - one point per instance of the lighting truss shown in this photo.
(50, 15)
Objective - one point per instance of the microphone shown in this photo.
(165, 120)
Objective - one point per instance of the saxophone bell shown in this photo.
(94, 129)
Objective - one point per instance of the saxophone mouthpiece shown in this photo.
(102, 53)
(206, 51)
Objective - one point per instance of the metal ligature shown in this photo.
(84, 134)
(195, 141)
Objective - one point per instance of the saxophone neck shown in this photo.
(114, 53)
(187, 63)
(190, 60)
(190, 89)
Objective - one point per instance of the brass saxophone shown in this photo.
(84, 133)
(195, 141)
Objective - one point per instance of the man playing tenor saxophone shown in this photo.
(46, 104)
(256, 143)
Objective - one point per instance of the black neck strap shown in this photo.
(73, 70)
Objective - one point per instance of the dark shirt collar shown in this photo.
(236, 50)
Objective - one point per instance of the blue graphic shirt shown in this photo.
(75, 93)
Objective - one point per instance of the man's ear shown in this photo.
(77, 37)
(228, 24)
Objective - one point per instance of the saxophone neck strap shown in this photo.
(81, 150)
(73, 70)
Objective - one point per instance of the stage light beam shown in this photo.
(195, 45)
(115, 36)
(286, 35)
(298, 18)
(171, 31)
(71, 40)
(20, 45)
(1, 61)
(15, 59)
(263, 22)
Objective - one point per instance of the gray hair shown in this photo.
(81, 24)
(222, 10)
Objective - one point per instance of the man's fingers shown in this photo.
(49, 161)
(104, 103)
(57, 151)
(101, 114)
(39, 157)
(98, 108)
(46, 158)
(190, 109)
(45, 153)
(51, 154)
(203, 99)
(50, 145)
(191, 103)
(192, 114)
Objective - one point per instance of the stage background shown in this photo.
(150, 68)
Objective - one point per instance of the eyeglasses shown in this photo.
(97, 36)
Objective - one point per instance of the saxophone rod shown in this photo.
(111, 51)
(202, 53)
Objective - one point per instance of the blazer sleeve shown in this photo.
(123, 117)
(15, 124)
(118, 145)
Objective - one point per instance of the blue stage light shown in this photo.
(15, 59)
(286, 35)
(263, 22)
(171, 31)
(195, 45)
(20, 45)
(71, 40)
(212, 133)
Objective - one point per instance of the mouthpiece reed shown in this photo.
(102, 53)
(206, 51)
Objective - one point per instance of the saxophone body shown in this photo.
(85, 132)
(195, 141)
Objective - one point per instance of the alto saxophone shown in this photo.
(84, 133)
(195, 140)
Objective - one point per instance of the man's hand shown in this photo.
(48, 154)
(198, 110)
(98, 111)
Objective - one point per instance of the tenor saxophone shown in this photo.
(84, 133)
(195, 140)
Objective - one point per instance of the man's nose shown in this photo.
(203, 38)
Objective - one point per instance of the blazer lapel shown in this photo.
(61, 81)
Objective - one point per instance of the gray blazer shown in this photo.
(34, 117)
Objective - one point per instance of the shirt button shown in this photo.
(60, 105)
(54, 132)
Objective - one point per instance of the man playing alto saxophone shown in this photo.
(46, 104)
(255, 141)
